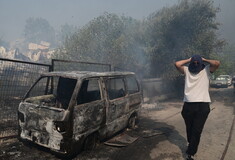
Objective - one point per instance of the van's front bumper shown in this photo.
(42, 138)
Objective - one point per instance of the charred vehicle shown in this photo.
(70, 111)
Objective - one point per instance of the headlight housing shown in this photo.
(60, 126)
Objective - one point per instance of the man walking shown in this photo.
(196, 97)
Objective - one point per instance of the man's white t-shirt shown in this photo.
(196, 87)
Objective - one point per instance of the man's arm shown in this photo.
(180, 65)
(214, 64)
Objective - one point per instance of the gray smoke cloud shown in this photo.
(13, 13)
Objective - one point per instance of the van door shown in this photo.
(89, 113)
(134, 93)
(117, 104)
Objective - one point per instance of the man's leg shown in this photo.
(188, 115)
(201, 115)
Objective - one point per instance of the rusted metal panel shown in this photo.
(88, 117)
(85, 74)
(117, 108)
(134, 101)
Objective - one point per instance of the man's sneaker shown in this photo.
(189, 157)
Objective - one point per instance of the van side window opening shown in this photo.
(116, 88)
(132, 85)
(52, 94)
(89, 91)
(65, 90)
(40, 88)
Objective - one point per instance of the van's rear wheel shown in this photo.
(90, 142)
(132, 122)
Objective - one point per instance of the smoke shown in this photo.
(226, 18)
(13, 14)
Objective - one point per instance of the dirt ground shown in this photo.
(161, 135)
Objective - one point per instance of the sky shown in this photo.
(13, 13)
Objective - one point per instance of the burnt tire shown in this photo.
(90, 142)
(132, 122)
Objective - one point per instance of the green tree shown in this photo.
(227, 60)
(37, 30)
(179, 32)
(65, 32)
(108, 39)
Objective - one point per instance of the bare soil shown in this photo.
(161, 135)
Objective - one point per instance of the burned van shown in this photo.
(70, 111)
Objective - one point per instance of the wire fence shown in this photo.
(16, 77)
(68, 65)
